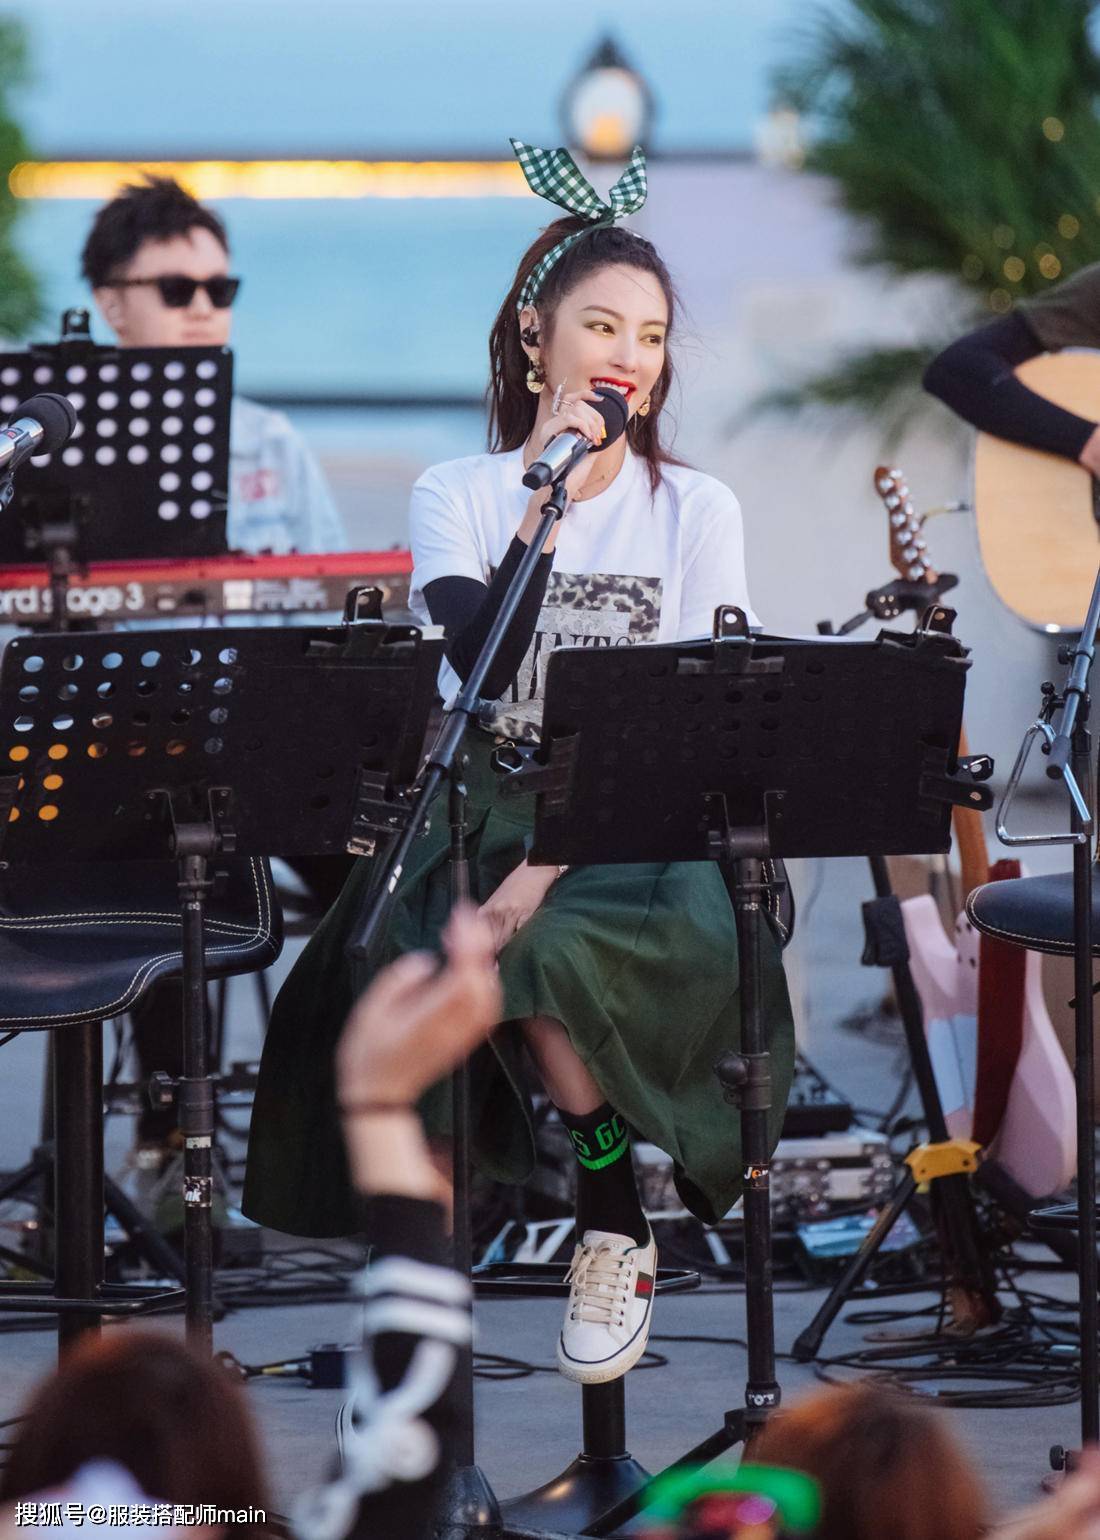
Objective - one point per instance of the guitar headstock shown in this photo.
(908, 550)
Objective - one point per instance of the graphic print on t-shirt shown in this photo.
(591, 609)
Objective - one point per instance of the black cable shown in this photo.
(487, 1366)
(496, 1366)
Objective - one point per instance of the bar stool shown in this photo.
(1041, 914)
(80, 943)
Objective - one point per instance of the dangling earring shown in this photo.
(643, 410)
(536, 377)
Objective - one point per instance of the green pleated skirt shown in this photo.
(638, 961)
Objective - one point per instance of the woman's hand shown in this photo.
(573, 414)
(516, 900)
(416, 1021)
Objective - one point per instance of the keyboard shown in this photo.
(196, 588)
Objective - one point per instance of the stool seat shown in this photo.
(1033, 912)
(82, 942)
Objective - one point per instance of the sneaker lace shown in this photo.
(600, 1279)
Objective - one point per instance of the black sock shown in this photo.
(607, 1194)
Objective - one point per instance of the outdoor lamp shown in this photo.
(607, 108)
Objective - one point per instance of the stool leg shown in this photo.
(78, 1175)
(602, 1475)
(196, 1101)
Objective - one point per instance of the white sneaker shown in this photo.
(610, 1305)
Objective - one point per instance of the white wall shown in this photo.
(765, 264)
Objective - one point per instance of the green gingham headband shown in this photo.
(555, 175)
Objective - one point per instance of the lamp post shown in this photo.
(779, 138)
(607, 108)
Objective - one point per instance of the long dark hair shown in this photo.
(512, 407)
(146, 1402)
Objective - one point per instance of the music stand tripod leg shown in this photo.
(469, 1508)
(1084, 1044)
(809, 1340)
(745, 1077)
(78, 1176)
(143, 1233)
(886, 946)
(194, 843)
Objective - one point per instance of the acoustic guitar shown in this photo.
(1037, 513)
(1000, 1070)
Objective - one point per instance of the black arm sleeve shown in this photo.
(974, 377)
(466, 610)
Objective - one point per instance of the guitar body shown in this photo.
(1037, 527)
(1001, 1075)
(945, 972)
(1026, 1110)
(1000, 1070)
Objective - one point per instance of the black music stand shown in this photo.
(886, 947)
(146, 471)
(740, 750)
(181, 744)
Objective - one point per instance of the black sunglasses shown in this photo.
(177, 292)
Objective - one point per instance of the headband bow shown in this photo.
(555, 175)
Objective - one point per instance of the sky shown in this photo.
(141, 78)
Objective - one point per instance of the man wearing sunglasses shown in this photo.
(157, 262)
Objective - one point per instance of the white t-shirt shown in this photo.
(629, 566)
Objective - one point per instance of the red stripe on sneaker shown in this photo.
(644, 1285)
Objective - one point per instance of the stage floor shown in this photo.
(529, 1429)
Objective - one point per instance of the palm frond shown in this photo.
(20, 305)
(964, 136)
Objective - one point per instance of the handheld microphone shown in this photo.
(38, 427)
(565, 450)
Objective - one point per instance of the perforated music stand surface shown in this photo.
(292, 721)
(844, 743)
(147, 468)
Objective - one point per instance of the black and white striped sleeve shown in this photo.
(403, 1412)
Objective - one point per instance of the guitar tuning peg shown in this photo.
(911, 553)
(915, 573)
(882, 483)
(897, 520)
(895, 474)
(893, 501)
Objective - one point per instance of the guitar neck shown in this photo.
(970, 839)
(909, 558)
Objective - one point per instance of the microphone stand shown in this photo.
(1062, 725)
(469, 1507)
(440, 762)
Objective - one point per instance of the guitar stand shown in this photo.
(893, 599)
(945, 1164)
